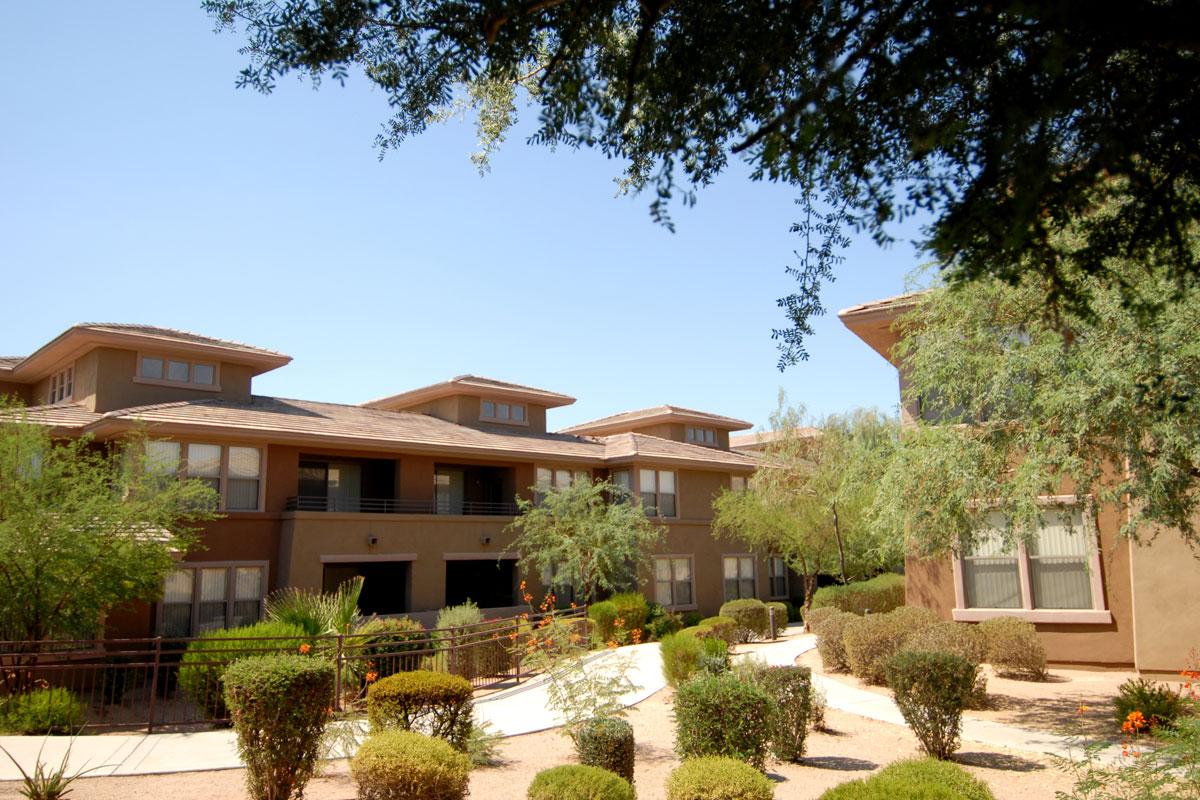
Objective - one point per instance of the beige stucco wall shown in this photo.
(1165, 574)
(464, 410)
(115, 386)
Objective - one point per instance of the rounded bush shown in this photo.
(692, 618)
(926, 778)
(815, 616)
(721, 715)
(783, 615)
(877, 596)
(1159, 704)
(1013, 648)
(791, 689)
(829, 641)
(871, 640)
(751, 618)
(718, 778)
(959, 638)
(52, 710)
(387, 645)
(579, 782)
(206, 658)
(402, 765)
(603, 617)
(725, 628)
(681, 654)
(632, 612)
(930, 689)
(606, 742)
(432, 703)
(279, 706)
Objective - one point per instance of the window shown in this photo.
(62, 385)
(777, 576)
(155, 369)
(241, 487)
(502, 412)
(622, 481)
(739, 577)
(673, 581)
(657, 490)
(701, 435)
(548, 479)
(737, 483)
(204, 463)
(1055, 577)
(234, 472)
(204, 597)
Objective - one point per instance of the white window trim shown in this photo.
(215, 386)
(692, 606)
(787, 587)
(510, 421)
(1098, 614)
(196, 566)
(753, 573)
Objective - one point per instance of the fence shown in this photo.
(156, 683)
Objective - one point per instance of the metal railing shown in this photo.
(373, 505)
(175, 683)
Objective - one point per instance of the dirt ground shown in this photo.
(853, 748)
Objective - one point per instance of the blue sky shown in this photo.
(138, 185)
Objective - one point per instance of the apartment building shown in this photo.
(412, 491)
(1095, 597)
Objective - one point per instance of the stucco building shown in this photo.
(412, 491)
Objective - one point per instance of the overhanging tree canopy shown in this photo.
(1006, 120)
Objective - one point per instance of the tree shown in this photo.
(1006, 121)
(810, 498)
(588, 535)
(84, 531)
(1015, 404)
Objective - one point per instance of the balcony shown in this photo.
(382, 505)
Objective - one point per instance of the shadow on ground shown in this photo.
(1001, 761)
(840, 763)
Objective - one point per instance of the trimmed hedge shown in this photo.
(718, 778)
(829, 641)
(579, 782)
(1013, 648)
(930, 689)
(721, 715)
(871, 640)
(791, 689)
(392, 645)
(279, 705)
(433, 703)
(879, 595)
(818, 615)
(783, 615)
(43, 711)
(606, 742)
(750, 617)
(603, 617)
(632, 611)
(681, 654)
(402, 765)
(925, 778)
(206, 658)
(962, 639)
(721, 627)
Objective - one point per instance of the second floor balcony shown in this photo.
(387, 505)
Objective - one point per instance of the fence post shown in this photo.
(453, 660)
(517, 648)
(154, 682)
(337, 681)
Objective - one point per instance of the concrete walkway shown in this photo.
(520, 709)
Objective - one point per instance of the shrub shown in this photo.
(817, 615)
(606, 742)
(725, 628)
(681, 654)
(632, 611)
(871, 640)
(692, 618)
(720, 715)
(926, 778)
(791, 689)
(1013, 648)
(459, 616)
(433, 703)
(390, 645)
(783, 616)
(793, 608)
(717, 778)
(929, 689)
(1160, 704)
(205, 659)
(879, 595)
(603, 616)
(579, 782)
(961, 639)
(42, 711)
(829, 641)
(402, 765)
(750, 616)
(279, 705)
(663, 623)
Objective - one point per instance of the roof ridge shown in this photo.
(145, 328)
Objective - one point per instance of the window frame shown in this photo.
(1098, 614)
(495, 415)
(190, 383)
(771, 559)
(230, 568)
(698, 434)
(637, 473)
(223, 474)
(753, 575)
(62, 385)
(670, 558)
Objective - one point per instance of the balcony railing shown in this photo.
(376, 505)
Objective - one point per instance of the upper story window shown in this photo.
(548, 478)
(701, 435)
(175, 371)
(62, 385)
(657, 490)
(234, 472)
(502, 412)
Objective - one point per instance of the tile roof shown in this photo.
(634, 446)
(884, 304)
(664, 412)
(758, 439)
(457, 384)
(8, 362)
(61, 415)
(173, 334)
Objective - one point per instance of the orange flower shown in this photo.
(305, 649)
(1082, 709)
(1134, 722)
(371, 676)
(636, 635)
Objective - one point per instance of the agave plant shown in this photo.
(318, 613)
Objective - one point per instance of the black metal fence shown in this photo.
(170, 683)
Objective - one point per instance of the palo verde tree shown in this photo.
(590, 535)
(809, 500)
(1003, 121)
(84, 529)
(1015, 404)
